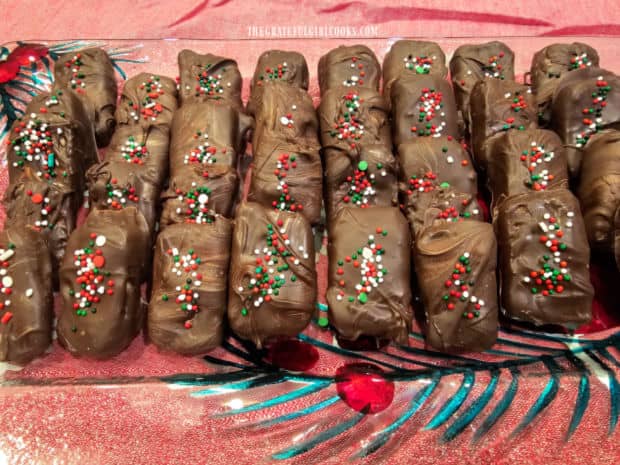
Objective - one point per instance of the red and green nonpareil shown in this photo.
(208, 83)
(349, 127)
(133, 151)
(7, 254)
(92, 281)
(518, 103)
(553, 275)
(46, 208)
(274, 73)
(35, 144)
(286, 201)
(580, 61)
(204, 153)
(358, 73)
(195, 207)
(367, 260)
(185, 267)
(533, 159)
(593, 114)
(361, 184)
(493, 68)
(273, 268)
(77, 76)
(418, 64)
(120, 196)
(151, 107)
(458, 290)
(429, 106)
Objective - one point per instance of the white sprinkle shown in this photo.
(100, 241)
(7, 281)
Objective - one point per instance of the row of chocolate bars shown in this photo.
(170, 180)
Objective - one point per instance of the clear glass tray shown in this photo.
(534, 396)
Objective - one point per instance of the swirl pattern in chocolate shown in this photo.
(90, 74)
(455, 268)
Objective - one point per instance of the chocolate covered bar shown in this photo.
(349, 66)
(90, 74)
(204, 135)
(148, 100)
(365, 177)
(437, 182)
(53, 139)
(277, 65)
(553, 62)
(496, 106)
(208, 77)
(474, 62)
(118, 185)
(525, 161)
(286, 112)
(272, 280)
(350, 118)
(50, 209)
(369, 269)
(455, 268)
(26, 299)
(599, 189)
(190, 276)
(142, 147)
(544, 259)
(195, 198)
(422, 107)
(102, 310)
(585, 102)
(288, 176)
(412, 58)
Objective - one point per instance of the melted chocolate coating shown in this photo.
(576, 92)
(599, 189)
(212, 131)
(26, 321)
(521, 230)
(118, 185)
(454, 325)
(106, 327)
(95, 85)
(553, 62)
(384, 311)
(148, 100)
(286, 112)
(70, 140)
(209, 77)
(349, 66)
(437, 182)
(146, 148)
(364, 177)
(190, 331)
(350, 118)
(474, 62)
(277, 65)
(300, 163)
(423, 106)
(288, 310)
(495, 106)
(220, 187)
(27, 199)
(525, 161)
(413, 58)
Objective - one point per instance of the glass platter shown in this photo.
(534, 397)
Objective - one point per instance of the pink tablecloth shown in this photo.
(152, 424)
(232, 19)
